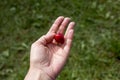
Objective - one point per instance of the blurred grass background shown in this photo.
(95, 54)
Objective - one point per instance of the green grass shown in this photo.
(95, 54)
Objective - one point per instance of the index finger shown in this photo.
(56, 24)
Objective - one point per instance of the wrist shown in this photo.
(37, 74)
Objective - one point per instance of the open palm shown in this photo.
(49, 56)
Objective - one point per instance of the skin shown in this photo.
(47, 58)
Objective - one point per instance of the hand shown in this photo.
(48, 57)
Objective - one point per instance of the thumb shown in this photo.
(45, 39)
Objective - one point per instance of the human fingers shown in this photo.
(45, 39)
(69, 39)
(63, 25)
(70, 26)
(56, 24)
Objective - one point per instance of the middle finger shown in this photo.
(63, 25)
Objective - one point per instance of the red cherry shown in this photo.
(59, 38)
